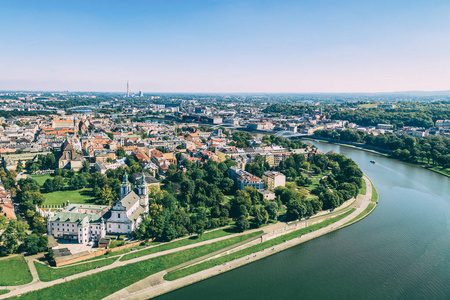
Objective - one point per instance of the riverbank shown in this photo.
(365, 148)
(156, 285)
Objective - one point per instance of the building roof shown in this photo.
(129, 200)
(149, 179)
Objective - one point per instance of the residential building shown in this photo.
(244, 178)
(273, 179)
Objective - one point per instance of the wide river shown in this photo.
(400, 251)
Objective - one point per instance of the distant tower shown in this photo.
(125, 187)
(141, 94)
(128, 88)
(143, 193)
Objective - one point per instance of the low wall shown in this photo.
(71, 259)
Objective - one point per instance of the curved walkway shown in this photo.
(155, 284)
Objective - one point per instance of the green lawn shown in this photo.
(192, 240)
(4, 292)
(14, 271)
(75, 197)
(367, 105)
(47, 273)
(40, 179)
(362, 214)
(374, 194)
(102, 284)
(363, 189)
(440, 170)
(256, 248)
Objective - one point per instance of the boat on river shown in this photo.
(372, 161)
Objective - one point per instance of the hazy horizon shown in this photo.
(226, 46)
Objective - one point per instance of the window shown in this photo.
(119, 226)
(118, 215)
(109, 225)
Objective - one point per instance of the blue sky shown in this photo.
(225, 45)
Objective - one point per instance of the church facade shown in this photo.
(128, 212)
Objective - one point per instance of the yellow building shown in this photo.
(273, 179)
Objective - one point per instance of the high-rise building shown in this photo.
(141, 93)
(128, 88)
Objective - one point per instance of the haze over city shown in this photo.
(225, 46)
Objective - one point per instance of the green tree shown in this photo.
(19, 166)
(242, 224)
(106, 195)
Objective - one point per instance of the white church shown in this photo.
(87, 223)
(127, 214)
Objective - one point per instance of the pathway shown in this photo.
(155, 284)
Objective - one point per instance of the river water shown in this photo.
(400, 251)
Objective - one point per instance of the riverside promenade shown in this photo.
(155, 285)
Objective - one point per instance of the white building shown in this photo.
(128, 212)
(86, 223)
(80, 222)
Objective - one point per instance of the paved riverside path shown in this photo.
(156, 285)
(142, 290)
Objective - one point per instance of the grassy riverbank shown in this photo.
(253, 249)
(4, 292)
(102, 284)
(180, 243)
(436, 169)
(47, 273)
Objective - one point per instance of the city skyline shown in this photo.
(226, 46)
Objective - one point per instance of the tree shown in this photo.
(50, 160)
(261, 215)
(85, 168)
(199, 227)
(106, 195)
(272, 210)
(33, 168)
(19, 166)
(58, 183)
(242, 224)
(48, 185)
(120, 152)
(3, 222)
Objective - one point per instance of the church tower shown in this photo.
(143, 193)
(125, 187)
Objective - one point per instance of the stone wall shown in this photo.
(73, 259)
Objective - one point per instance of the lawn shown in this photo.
(192, 240)
(47, 273)
(4, 292)
(40, 179)
(14, 271)
(367, 105)
(363, 189)
(374, 194)
(75, 197)
(253, 249)
(362, 214)
(102, 284)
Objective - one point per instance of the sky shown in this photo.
(225, 46)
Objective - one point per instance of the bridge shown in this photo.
(290, 134)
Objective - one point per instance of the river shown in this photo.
(400, 251)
